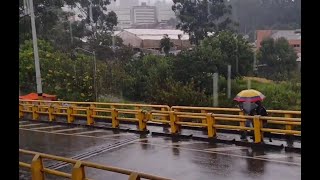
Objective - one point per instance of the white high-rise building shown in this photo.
(144, 14)
(123, 10)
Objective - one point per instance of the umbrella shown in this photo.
(249, 95)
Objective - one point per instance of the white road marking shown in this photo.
(64, 130)
(24, 122)
(88, 132)
(222, 149)
(95, 154)
(115, 135)
(186, 143)
(48, 127)
(28, 125)
(273, 156)
(48, 132)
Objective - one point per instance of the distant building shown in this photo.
(124, 17)
(144, 14)
(123, 10)
(132, 15)
(150, 38)
(293, 37)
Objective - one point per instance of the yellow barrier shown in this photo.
(78, 171)
(230, 110)
(176, 117)
(281, 113)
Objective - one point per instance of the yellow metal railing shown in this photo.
(78, 171)
(276, 113)
(176, 116)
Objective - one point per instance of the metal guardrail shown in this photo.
(272, 113)
(176, 117)
(78, 171)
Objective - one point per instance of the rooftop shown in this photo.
(157, 34)
(288, 34)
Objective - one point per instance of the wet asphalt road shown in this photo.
(189, 159)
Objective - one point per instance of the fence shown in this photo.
(176, 117)
(38, 170)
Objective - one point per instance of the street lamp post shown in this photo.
(95, 70)
(35, 50)
(215, 91)
(237, 60)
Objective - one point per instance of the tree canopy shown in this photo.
(52, 22)
(279, 58)
(198, 18)
(166, 44)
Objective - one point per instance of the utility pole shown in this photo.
(95, 76)
(35, 50)
(254, 54)
(71, 20)
(229, 82)
(71, 36)
(237, 60)
(249, 83)
(215, 89)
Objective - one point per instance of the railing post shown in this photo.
(114, 115)
(137, 115)
(257, 129)
(78, 172)
(40, 108)
(242, 123)
(175, 128)
(74, 108)
(211, 129)
(51, 111)
(37, 168)
(35, 114)
(149, 116)
(142, 123)
(90, 120)
(204, 121)
(288, 126)
(134, 176)
(70, 117)
(20, 111)
(163, 117)
(93, 106)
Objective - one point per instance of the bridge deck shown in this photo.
(187, 159)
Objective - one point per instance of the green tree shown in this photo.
(166, 44)
(213, 55)
(52, 22)
(198, 18)
(177, 93)
(279, 58)
(148, 75)
(69, 79)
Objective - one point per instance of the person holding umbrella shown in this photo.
(250, 102)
